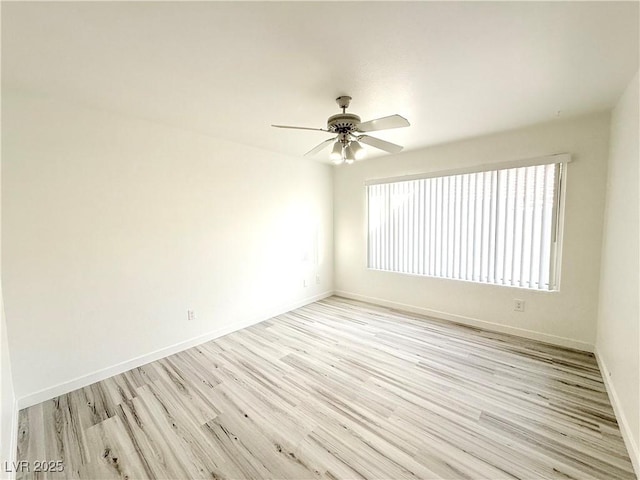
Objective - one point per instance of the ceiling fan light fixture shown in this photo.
(349, 154)
(358, 152)
(336, 153)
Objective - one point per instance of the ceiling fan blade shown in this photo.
(381, 144)
(384, 123)
(319, 147)
(300, 128)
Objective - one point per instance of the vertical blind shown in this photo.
(497, 227)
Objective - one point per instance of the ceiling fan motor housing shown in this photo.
(343, 123)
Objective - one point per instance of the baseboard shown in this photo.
(625, 429)
(84, 380)
(474, 322)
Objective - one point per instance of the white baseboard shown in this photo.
(474, 322)
(79, 382)
(625, 429)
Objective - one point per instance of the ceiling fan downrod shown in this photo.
(343, 102)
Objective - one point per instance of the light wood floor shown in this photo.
(340, 389)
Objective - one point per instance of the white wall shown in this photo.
(567, 317)
(619, 313)
(113, 227)
(8, 406)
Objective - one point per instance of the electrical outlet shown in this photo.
(304, 282)
(518, 305)
(191, 315)
(317, 279)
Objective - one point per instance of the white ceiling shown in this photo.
(454, 69)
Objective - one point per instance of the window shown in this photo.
(498, 226)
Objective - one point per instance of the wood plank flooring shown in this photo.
(339, 389)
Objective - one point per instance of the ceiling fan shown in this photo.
(347, 143)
